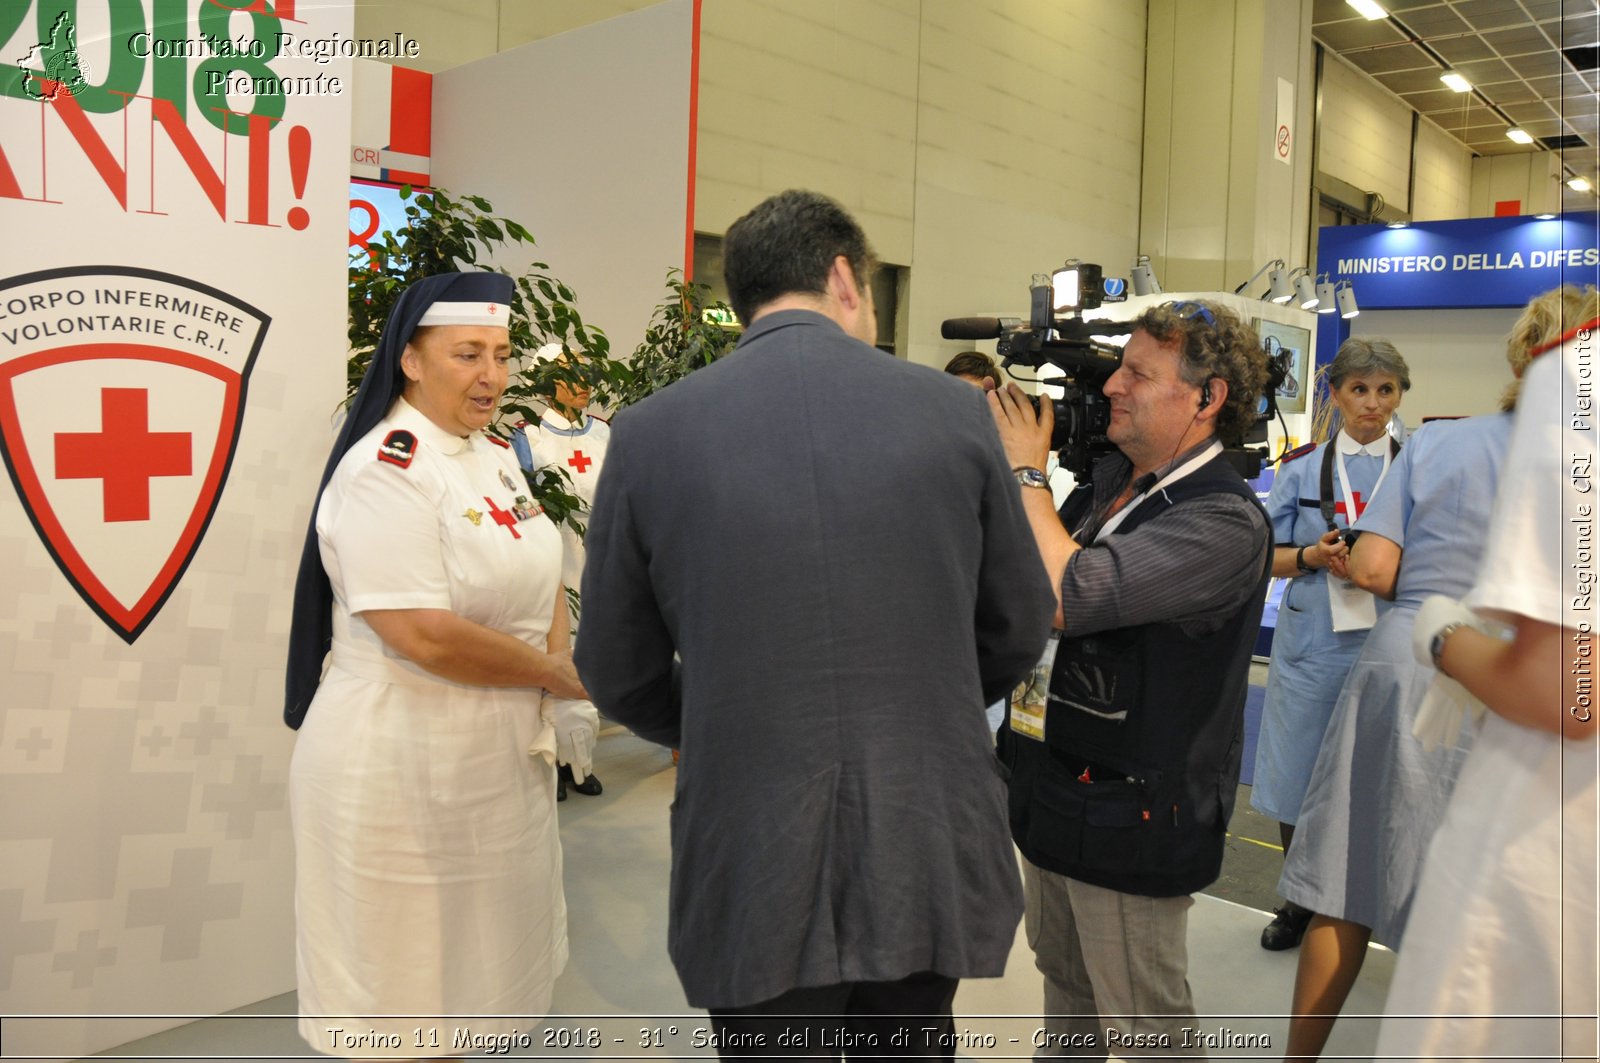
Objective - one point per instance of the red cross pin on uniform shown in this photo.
(503, 517)
(1361, 506)
(580, 461)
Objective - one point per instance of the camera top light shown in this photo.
(1077, 286)
(1067, 287)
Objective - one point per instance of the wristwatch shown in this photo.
(1028, 476)
(1436, 644)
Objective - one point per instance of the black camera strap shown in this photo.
(1327, 504)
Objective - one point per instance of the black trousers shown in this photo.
(906, 1018)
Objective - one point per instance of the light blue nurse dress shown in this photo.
(1309, 659)
(1376, 797)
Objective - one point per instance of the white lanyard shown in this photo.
(1350, 511)
(1176, 474)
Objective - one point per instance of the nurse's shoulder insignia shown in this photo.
(398, 448)
(497, 441)
(1297, 452)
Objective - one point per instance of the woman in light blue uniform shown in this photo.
(1318, 492)
(1376, 795)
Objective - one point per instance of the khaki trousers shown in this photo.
(1115, 968)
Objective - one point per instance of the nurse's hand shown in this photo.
(1335, 553)
(562, 677)
(467, 652)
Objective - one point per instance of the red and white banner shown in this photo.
(174, 192)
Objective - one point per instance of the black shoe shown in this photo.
(561, 785)
(589, 787)
(1288, 926)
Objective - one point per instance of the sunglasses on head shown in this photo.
(1190, 311)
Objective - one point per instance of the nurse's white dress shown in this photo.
(1499, 959)
(428, 865)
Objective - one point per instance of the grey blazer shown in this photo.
(832, 544)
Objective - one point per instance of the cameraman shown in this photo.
(1121, 786)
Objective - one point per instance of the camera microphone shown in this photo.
(977, 328)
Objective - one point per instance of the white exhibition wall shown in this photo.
(1457, 357)
(584, 139)
(171, 353)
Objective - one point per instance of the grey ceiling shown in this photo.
(1534, 60)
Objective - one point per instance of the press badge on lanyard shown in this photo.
(1349, 607)
(1031, 695)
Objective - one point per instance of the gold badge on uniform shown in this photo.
(474, 516)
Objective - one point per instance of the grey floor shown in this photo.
(620, 981)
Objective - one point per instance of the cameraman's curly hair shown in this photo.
(1224, 348)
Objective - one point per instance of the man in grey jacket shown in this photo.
(809, 569)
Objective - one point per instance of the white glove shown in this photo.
(1439, 716)
(1438, 611)
(575, 722)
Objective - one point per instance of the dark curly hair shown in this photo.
(786, 244)
(1223, 347)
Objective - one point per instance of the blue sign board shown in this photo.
(1476, 262)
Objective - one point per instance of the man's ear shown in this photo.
(842, 283)
(1218, 391)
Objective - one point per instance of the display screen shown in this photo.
(375, 207)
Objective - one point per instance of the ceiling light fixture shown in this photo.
(1282, 290)
(1579, 184)
(1144, 277)
(1325, 296)
(1368, 9)
(1456, 82)
(1280, 281)
(1345, 295)
(1520, 136)
(1305, 288)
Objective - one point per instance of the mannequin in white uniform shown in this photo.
(569, 438)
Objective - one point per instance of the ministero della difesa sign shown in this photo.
(1478, 262)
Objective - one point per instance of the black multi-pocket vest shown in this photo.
(1133, 784)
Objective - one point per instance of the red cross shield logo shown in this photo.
(121, 396)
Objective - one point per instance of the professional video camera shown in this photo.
(1056, 333)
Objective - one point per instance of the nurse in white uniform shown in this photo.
(428, 866)
(1499, 958)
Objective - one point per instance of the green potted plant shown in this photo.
(688, 331)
